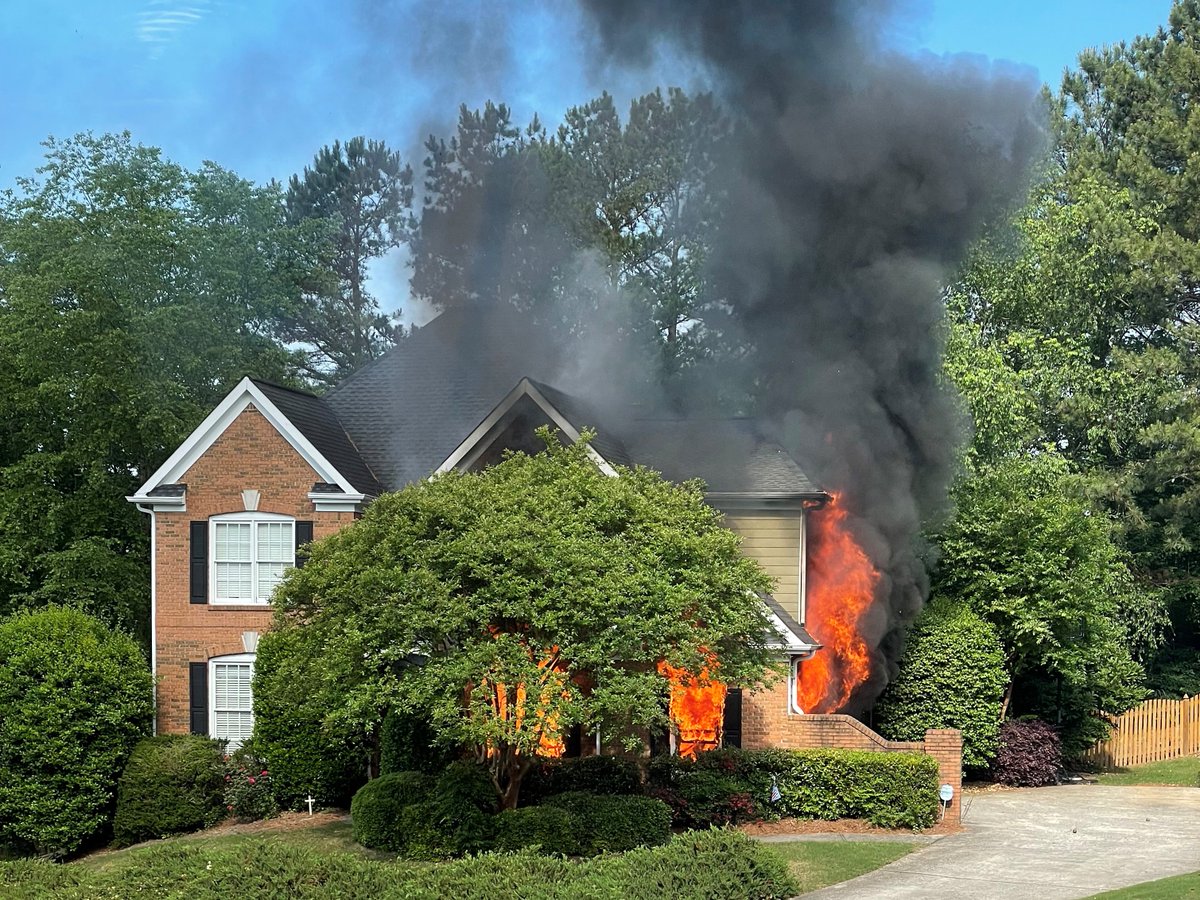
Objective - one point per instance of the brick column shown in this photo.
(945, 745)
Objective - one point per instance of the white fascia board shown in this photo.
(159, 504)
(788, 640)
(328, 502)
(524, 388)
(245, 393)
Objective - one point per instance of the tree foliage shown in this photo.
(952, 675)
(1027, 553)
(359, 198)
(75, 697)
(600, 221)
(133, 294)
(511, 604)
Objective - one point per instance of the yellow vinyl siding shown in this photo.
(773, 538)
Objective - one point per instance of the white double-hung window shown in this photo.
(230, 706)
(250, 553)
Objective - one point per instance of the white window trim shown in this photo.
(242, 518)
(212, 690)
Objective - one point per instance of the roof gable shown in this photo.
(493, 425)
(245, 394)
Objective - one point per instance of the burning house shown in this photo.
(272, 468)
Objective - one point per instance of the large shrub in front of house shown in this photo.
(75, 697)
(952, 675)
(173, 783)
(425, 817)
(303, 754)
(891, 790)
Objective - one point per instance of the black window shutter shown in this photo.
(198, 697)
(198, 556)
(732, 727)
(303, 536)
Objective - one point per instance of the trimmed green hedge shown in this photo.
(549, 828)
(891, 790)
(693, 866)
(594, 774)
(615, 823)
(173, 783)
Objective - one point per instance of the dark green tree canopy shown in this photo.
(540, 586)
(133, 294)
(358, 198)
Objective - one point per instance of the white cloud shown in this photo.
(162, 20)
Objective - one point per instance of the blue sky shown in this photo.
(259, 85)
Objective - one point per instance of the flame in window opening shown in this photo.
(841, 589)
(697, 707)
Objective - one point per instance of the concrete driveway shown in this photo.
(1046, 844)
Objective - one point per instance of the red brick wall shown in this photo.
(250, 454)
(766, 722)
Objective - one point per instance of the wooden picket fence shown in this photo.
(1158, 729)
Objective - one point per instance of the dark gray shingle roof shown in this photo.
(788, 620)
(317, 421)
(409, 409)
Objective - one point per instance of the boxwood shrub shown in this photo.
(378, 806)
(416, 815)
(891, 790)
(75, 697)
(594, 774)
(549, 828)
(173, 783)
(616, 822)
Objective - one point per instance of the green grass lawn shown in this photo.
(1182, 771)
(1181, 886)
(817, 864)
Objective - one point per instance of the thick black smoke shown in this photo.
(855, 181)
(859, 178)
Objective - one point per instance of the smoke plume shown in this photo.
(858, 179)
(854, 183)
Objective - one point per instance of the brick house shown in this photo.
(271, 469)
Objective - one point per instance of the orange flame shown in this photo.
(550, 739)
(697, 707)
(841, 589)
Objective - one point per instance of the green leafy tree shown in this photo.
(952, 675)
(358, 197)
(75, 697)
(133, 294)
(1027, 552)
(600, 224)
(539, 594)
